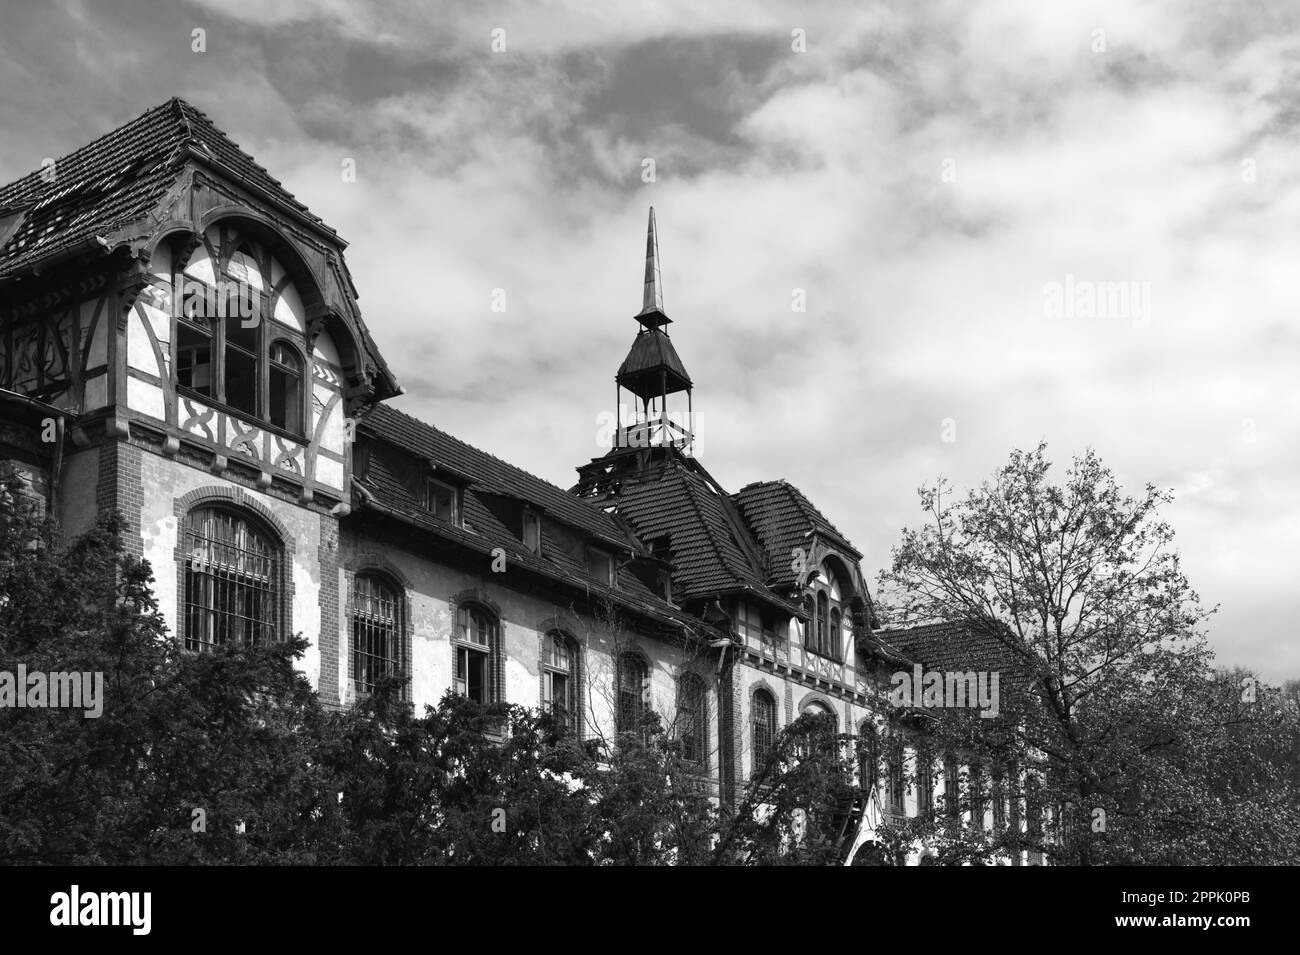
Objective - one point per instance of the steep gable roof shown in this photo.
(781, 518)
(117, 180)
(674, 501)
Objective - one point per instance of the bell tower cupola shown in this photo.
(652, 372)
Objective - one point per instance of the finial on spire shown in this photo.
(652, 300)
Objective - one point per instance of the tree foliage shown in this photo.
(1126, 741)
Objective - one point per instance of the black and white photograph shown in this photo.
(572, 434)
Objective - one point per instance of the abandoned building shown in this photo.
(181, 340)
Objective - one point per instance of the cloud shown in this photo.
(1168, 158)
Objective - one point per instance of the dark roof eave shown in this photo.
(464, 539)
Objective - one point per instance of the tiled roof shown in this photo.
(676, 503)
(956, 646)
(117, 180)
(483, 532)
(782, 519)
(491, 474)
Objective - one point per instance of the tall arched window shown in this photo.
(924, 781)
(286, 387)
(824, 604)
(240, 335)
(692, 715)
(232, 580)
(810, 628)
(823, 612)
(764, 728)
(894, 776)
(377, 631)
(477, 646)
(631, 680)
(561, 662)
(868, 754)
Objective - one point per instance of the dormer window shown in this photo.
(533, 531)
(442, 501)
(600, 565)
(227, 350)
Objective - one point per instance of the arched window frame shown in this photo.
(895, 774)
(561, 679)
(632, 681)
(823, 613)
(868, 754)
(478, 670)
(286, 403)
(693, 718)
(378, 625)
(232, 577)
(206, 350)
(763, 728)
(824, 606)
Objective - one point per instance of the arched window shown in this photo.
(631, 680)
(764, 728)
(561, 661)
(233, 345)
(286, 388)
(817, 708)
(868, 754)
(232, 580)
(810, 628)
(823, 610)
(823, 738)
(377, 631)
(836, 633)
(692, 716)
(477, 646)
(894, 776)
(924, 781)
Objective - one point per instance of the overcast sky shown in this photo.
(925, 172)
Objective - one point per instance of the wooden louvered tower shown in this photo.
(652, 370)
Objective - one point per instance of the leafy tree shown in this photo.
(188, 748)
(1127, 749)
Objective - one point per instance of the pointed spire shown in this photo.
(652, 300)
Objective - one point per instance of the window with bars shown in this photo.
(377, 631)
(631, 680)
(232, 581)
(561, 661)
(478, 655)
(764, 729)
(692, 718)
